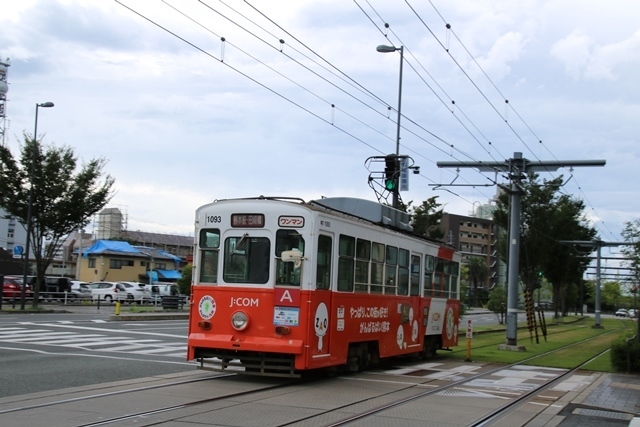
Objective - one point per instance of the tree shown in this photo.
(63, 199)
(631, 234)
(478, 273)
(426, 218)
(547, 218)
(611, 296)
(184, 282)
(498, 303)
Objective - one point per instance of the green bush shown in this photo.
(625, 354)
(184, 282)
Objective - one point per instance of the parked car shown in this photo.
(51, 287)
(161, 290)
(622, 313)
(164, 289)
(12, 288)
(633, 313)
(137, 292)
(108, 291)
(80, 290)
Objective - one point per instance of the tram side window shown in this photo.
(403, 272)
(415, 275)
(438, 281)
(447, 279)
(209, 242)
(455, 273)
(377, 267)
(246, 259)
(346, 253)
(286, 272)
(390, 279)
(429, 268)
(363, 256)
(323, 266)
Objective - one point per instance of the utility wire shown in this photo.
(510, 105)
(249, 77)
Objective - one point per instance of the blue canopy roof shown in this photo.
(168, 274)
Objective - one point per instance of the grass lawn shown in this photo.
(566, 331)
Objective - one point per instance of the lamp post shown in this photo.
(388, 49)
(30, 208)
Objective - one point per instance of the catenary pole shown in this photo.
(518, 168)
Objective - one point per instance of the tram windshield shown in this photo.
(246, 259)
(288, 273)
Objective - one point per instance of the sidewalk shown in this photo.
(158, 313)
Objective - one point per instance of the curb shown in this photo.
(134, 317)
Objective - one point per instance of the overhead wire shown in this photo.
(366, 90)
(355, 85)
(249, 77)
(424, 69)
(507, 103)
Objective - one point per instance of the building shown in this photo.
(114, 261)
(112, 225)
(474, 237)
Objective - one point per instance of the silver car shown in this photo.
(80, 290)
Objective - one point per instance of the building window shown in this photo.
(117, 264)
(92, 263)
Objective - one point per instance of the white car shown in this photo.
(80, 290)
(108, 291)
(137, 292)
(622, 313)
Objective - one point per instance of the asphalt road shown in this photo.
(44, 352)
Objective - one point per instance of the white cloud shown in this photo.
(574, 52)
(583, 58)
(179, 128)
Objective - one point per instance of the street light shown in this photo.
(388, 49)
(30, 208)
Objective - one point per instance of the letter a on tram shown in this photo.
(287, 297)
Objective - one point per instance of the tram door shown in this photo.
(320, 314)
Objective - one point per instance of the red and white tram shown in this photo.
(281, 286)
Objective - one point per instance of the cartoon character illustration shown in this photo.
(414, 326)
(450, 323)
(400, 337)
(321, 323)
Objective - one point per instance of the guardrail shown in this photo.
(75, 299)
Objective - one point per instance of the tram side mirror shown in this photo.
(294, 256)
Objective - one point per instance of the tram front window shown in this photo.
(286, 272)
(246, 259)
(209, 243)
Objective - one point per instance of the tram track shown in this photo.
(107, 394)
(313, 402)
(490, 417)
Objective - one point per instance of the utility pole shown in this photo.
(597, 244)
(518, 169)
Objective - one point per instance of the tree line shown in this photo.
(550, 219)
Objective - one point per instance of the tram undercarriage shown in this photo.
(252, 363)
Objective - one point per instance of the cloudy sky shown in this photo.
(192, 101)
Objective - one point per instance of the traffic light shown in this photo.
(391, 172)
(538, 284)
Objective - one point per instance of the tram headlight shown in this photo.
(239, 320)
